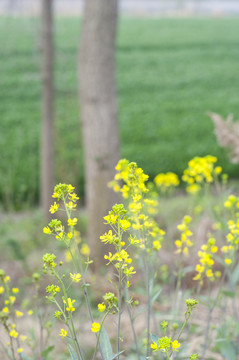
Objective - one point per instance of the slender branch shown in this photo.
(133, 330)
(119, 313)
(80, 269)
(98, 337)
(146, 267)
(4, 349)
(211, 309)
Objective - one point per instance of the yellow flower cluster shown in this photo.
(232, 203)
(166, 181)
(140, 208)
(184, 243)
(64, 193)
(206, 254)
(200, 170)
(75, 277)
(232, 240)
(8, 314)
(117, 219)
(133, 177)
(69, 305)
(165, 344)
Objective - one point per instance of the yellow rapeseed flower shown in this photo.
(72, 222)
(63, 333)
(70, 307)
(85, 250)
(19, 313)
(95, 327)
(23, 337)
(228, 261)
(47, 230)
(101, 307)
(15, 290)
(75, 277)
(54, 208)
(12, 299)
(175, 344)
(13, 333)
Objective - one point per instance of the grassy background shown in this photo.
(170, 73)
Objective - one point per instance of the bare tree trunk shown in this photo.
(97, 88)
(47, 148)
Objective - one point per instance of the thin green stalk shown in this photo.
(119, 313)
(41, 335)
(119, 294)
(179, 282)
(168, 356)
(232, 288)
(80, 267)
(211, 309)
(12, 348)
(133, 330)
(181, 331)
(72, 328)
(4, 349)
(59, 307)
(98, 337)
(146, 267)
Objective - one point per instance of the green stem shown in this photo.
(188, 314)
(211, 309)
(146, 267)
(72, 327)
(59, 307)
(119, 293)
(98, 337)
(119, 313)
(168, 356)
(80, 269)
(179, 282)
(133, 330)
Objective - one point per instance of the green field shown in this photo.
(170, 73)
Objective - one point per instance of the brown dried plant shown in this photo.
(227, 133)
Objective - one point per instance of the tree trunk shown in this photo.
(97, 88)
(47, 149)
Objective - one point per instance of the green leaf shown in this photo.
(47, 350)
(115, 355)
(126, 294)
(228, 293)
(105, 344)
(227, 350)
(154, 298)
(154, 338)
(235, 275)
(24, 356)
(72, 353)
(84, 285)
(186, 270)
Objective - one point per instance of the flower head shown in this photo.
(75, 277)
(63, 333)
(95, 327)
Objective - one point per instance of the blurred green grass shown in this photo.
(170, 72)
